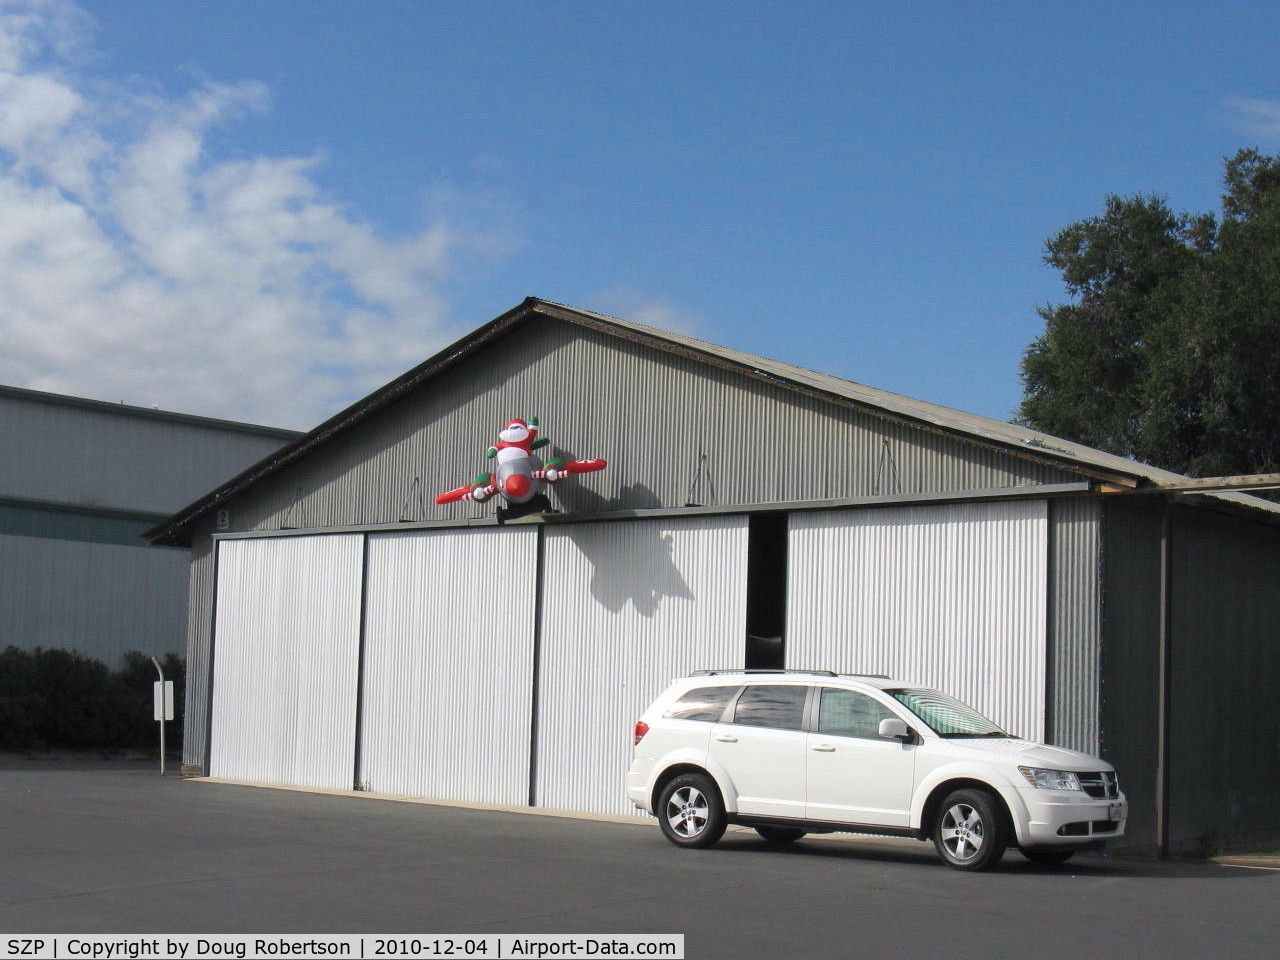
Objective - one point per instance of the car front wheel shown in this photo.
(690, 811)
(969, 831)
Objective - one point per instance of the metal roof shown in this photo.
(1006, 437)
(146, 413)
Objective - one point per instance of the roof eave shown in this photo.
(176, 530)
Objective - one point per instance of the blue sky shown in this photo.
(864, 189)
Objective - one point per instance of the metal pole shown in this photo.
(161, 672)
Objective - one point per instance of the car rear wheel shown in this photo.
(969, 831)
(780, 834)
(690, 811)
(1048, 855)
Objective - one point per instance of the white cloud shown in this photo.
(632, 304)
(1259, 118)
(136, 266)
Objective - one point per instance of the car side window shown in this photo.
(702, 703)
(846, 713)
(771, 705)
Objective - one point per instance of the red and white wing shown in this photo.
(583, 466)
(478, 492)
(554, 473)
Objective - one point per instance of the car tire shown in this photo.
(780, 834)
(1047, 856)
(969, 830)
(691, 812)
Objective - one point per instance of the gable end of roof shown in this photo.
(1005, 438)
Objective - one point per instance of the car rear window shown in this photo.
(771, 705)
(702, 703)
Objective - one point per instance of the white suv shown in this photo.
(795, 752)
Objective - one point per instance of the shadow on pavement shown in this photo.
(907, 851)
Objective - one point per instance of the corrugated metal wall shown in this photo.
(448, 664)
(88, 455)
(1225, 726)
(96, 598)
(1131, 655)
(1075, 623)
(79, 485)
(667, 416)
(195, 721)
(948, 596)
(627, 608)
(284, 689)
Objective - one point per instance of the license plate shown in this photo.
(1117, 811)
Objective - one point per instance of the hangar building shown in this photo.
(346, 632)
(80, 482)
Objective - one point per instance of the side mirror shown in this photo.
(894, 729)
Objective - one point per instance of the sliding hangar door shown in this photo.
(285, 658)
(950, 596)
(507, 665)
(627, 608)
(425, 663)
(448, 665)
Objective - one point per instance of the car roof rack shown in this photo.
(712, 673)
(778, 672)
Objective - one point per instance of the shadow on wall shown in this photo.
(643, 574)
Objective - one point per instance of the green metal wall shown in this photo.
(84, 526)
(1223, 770)
(1225, 691)
(1130, 689)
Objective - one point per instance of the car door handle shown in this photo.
(725, 738)
(824, 748)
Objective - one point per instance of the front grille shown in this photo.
(1102, 785)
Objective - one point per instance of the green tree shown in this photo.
(1170, 351)
(60, 699)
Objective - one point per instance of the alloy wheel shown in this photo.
(687, 812)
(963, 832)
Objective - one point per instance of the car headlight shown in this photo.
(1050, 779)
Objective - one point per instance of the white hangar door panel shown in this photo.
(448, 664)
(951, 596)
(627, 607)
(285, 659)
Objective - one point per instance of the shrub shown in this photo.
(60, 699)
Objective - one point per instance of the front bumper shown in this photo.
(1067, 818)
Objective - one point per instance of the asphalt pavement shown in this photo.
(114, 848)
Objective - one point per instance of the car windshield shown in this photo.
(946, 716)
